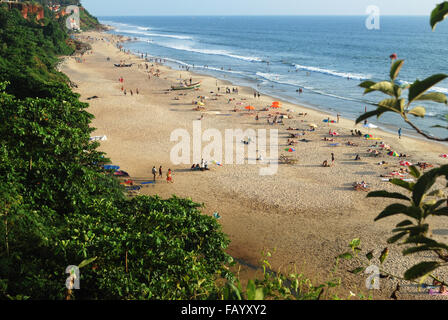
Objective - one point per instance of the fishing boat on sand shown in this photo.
(187, 87)
(123, 65)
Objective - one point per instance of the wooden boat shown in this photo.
(123, 65)
(187, 87)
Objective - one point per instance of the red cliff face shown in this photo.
(32, 9)
(28, 9)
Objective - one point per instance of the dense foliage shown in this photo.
(58, 207)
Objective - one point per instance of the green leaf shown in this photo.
(418, 112)
(355, 243)
(357, 270)
(86, 262)
(439, 14)
(250, 290)
(434, 96)
(384, 255)
(404, 184)
(386, 194)
(423, 184)
(346, 256)
(369, 255)
(395, 105)
(418, 88)
(378, 112)
(413, 170)
(395, 69)
(385, 87)
(367, 84)
(420, 270)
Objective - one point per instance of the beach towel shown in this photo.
(146, 183)
(110, 167)
(133, 188)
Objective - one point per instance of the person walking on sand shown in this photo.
(169, 177)
(154, 172)
(160, 172)
(332, 159)
(399, 133)
(338, 116)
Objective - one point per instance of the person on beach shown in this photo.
(154, 172)
(169, 177)
(332, 159)
(399, 133)
(160, 172)
(124, 92)
(338, 116)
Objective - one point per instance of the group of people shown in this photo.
(203, 166)
(169, 175)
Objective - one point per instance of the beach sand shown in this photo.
(307, 213)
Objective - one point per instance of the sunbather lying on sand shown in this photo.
(349, 143)
(328, 139)
(361, 186)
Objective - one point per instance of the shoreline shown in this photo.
(406, 132)
(308, 213)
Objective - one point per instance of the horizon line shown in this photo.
(263, 15)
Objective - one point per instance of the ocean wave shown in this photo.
(205, 67)
(209, 52)
(159, 35)
(273, 77)
(355, 76)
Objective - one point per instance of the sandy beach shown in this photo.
(306, 212)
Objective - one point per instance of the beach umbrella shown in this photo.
(405, 163)
(368, 136)
(250, 108)
(276, 103)
(393, 154)
(290, 149)
(276, 106)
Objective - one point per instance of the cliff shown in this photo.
(27, 9)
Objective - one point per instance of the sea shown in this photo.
(325, 56)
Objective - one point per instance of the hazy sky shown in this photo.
(256, 7)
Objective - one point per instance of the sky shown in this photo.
(255, 7)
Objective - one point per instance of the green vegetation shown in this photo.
(58, 207)
(421, 200)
